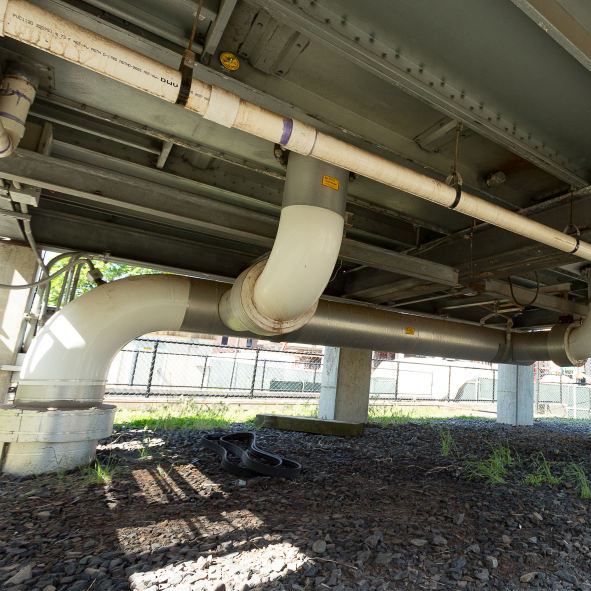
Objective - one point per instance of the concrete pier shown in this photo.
(515, 402)
(344, 395)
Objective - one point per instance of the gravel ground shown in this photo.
(386, 511)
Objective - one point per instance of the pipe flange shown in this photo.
(558, 345)
(238, 311)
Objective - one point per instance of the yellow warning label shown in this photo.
(409, 330)
(330, 182)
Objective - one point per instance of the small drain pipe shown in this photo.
(280, 294)
(34, 26)
(17, 94)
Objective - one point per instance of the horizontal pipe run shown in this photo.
(37, 27)
(67, 363)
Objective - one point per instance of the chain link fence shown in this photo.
(149, 367)
(166, 367)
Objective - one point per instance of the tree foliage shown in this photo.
(110, 271)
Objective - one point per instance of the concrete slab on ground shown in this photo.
(310, 425)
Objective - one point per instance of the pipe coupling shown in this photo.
(238, 311)
(558, 349)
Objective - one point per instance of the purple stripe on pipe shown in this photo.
(12, 117)
(314, 142)
(7, 147)
(16, 93)
(287, 129)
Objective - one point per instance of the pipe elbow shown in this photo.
(67, 362)
(280, 295)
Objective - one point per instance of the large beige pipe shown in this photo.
(37, 27)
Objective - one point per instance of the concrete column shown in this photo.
(17, 265)
(515, 403)
(344, 395)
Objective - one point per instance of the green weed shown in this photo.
(384, 416)
(189, 415)
(493, 468)
(542, 474)
(448, 444)
(98, 473)
(576, 473)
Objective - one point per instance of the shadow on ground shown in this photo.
(387, 511)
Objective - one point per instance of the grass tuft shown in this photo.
(448, 444)
(189, 415)
(97, 473)
(576, 473)
(542, 474)
(494, 468)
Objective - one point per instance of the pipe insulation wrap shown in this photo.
(579, 341)
(301, 263)
(67, 362)
(42, 29)
(222, 107)
(17, 93)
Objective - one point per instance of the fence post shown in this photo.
(152, 365)
(204, 372)
(396, 384)
(133, 366)
(254, 373)
(233, 369)
(263, 376)
(448, 383)
(495, 373)
(537, 390)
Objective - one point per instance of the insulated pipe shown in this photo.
(67, 363)
(17, 93)
(37, 27)
(280, 294)
(58, 416)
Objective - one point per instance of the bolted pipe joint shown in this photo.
(17, 93)
(238, 311)
(280, 294)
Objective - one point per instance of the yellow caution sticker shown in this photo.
(409, 330)
(330, 182)
(229, 61)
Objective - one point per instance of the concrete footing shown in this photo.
(515, 402)
(33, 440)
(346, 378)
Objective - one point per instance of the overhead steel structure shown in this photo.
(421, 167)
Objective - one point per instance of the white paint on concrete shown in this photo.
(515, 403)
(344, 395)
